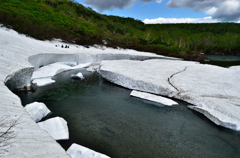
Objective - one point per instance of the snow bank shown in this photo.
(78, 151)
(154, 98)
(37, 110)
(215, 91)
(56, 128)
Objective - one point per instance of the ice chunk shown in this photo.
(56, 127)
(77, 76)
(78, 151)
(43, 81)
(154, 98)
(93, 67)
(37, 110)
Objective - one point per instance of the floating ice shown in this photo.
(37, 110)
(154, 98)
(56, 127)
(43, 81)
(78, 151)
(77, 76)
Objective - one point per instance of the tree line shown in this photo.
(75, 23)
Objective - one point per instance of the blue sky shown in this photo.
(170, 11)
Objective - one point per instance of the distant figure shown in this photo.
(62, 46)
(66, 46)
(56, 45)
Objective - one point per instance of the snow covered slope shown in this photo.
(214, 90)
(19, 56)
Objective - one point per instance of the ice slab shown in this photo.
(56, 127)
(214, 90)
(78, 151)
(154, 98)
(37, 110)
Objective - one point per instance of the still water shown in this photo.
(222, 60)
(103, 117)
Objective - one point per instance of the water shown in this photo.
(222, 60)
(103, 117)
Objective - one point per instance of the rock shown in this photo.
(37, 110)
(78, 151)
(77, 76)
(56, 128)
(154, 98)
(215, 91)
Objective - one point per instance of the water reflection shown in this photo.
(222, 60)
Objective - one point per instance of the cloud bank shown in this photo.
(223, 10)
(219, 10)
(102, 5)
(179, 20)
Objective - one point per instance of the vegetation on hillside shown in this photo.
(72, 22)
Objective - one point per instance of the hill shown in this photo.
(74, 23)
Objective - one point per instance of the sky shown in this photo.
(170, 11)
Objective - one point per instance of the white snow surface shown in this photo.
(37, 110)
(56, 127)
(78, 151)
(215, 91)
(19, 57)
(154, 98)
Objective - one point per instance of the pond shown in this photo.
(103, 117)
(222, 60)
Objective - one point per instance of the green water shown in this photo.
(103, 117)
(222, 60)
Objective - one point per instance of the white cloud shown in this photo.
(180, 20)
(223, 10)
(102, 5)
(229, 10)
(211, 11)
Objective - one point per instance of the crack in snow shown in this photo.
(169, 78)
